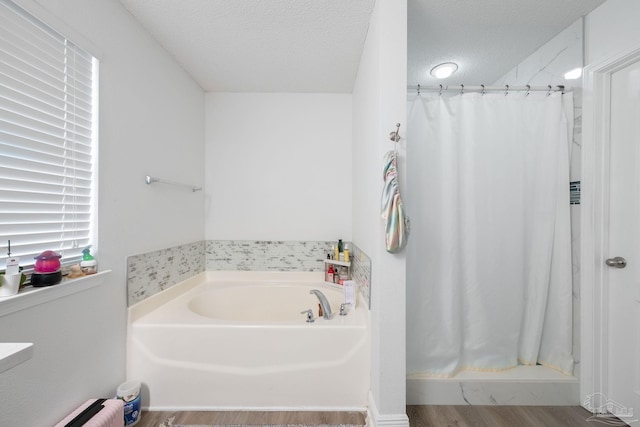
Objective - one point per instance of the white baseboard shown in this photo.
(375, 419)
(256, 408)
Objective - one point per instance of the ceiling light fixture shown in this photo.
(444, 70)
(576, 73)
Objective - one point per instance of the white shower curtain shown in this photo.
(489, 267)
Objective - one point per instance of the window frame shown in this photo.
(67, 33)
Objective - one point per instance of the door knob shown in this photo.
(617, 262)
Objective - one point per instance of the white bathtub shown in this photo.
(237, 340)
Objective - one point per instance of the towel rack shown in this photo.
(150, 180)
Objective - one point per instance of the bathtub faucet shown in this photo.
(326, 307)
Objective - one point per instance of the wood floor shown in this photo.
(154, 419)
(419, 416)
(503, 416)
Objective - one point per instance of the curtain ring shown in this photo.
(440, 93)
(506, 92)
(461, 89)
(528, 89)
(418, 90)
(549, 91)
(482, 93)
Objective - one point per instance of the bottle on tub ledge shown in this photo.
(343, 275)
(350, 296)
(340, 251)
(330, 274)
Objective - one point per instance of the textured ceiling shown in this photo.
(261, 45)
(485, 38)
(315, 45)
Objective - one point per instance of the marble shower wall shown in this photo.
(152, 272)
(547, 66)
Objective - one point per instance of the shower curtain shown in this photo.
(489, 268)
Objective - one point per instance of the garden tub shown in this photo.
(238, 341)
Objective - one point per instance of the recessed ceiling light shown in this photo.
(576, 73)
(444, 70)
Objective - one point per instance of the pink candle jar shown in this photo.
(47, 262)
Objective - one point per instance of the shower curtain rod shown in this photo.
(482, 88)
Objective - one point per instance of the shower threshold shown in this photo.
(522, 385)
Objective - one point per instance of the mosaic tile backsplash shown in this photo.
(150, 273)
(262, 255)
(361, 272)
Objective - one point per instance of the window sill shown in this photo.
(35, 296)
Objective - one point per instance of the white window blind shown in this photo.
(46, 139)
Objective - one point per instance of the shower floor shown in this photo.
(523, 385)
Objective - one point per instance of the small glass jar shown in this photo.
(344, 275)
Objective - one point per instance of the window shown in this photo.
(46, 140)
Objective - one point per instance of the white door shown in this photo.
(624, 241)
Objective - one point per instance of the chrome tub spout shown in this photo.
(324, 303)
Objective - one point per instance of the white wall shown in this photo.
(151, 122)
(77, 355)
(379, 102)
(278, 166)
(612, 28)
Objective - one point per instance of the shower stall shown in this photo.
(489, 265)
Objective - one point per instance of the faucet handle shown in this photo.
(343, 308)
(309, 314)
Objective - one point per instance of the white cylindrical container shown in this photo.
(9, 284)
(350, 293)
(129, 392)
